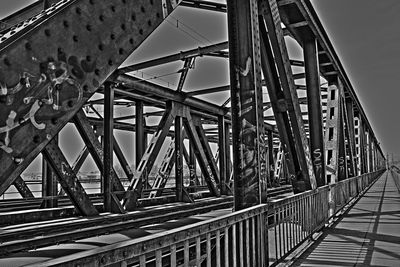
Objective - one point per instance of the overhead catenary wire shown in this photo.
(180, 21)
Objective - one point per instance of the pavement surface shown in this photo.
(367, 235)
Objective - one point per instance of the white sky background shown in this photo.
(365, 34)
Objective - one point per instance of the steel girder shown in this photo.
(249, 158)
(83, 66)
(304, 177)
(94, 146)
(22, 188)
(316, 128)
(52, 63)
(68, 180)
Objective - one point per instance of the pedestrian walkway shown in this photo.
(367, 235)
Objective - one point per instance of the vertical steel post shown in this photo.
(49, 182)
(333, 129)
(349, 111)
(362, 144)
(108, 144)
(280, 108)
(222, 151)
(370, 169)
(228, 161)
(247, 105)
(314, 108)
(140, 143)
(271, 158)
(192, 166)
(301, 171)
(178, 158)
(342, 163)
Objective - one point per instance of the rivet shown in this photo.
(36, 139)
(28, 46)
(48, 136)
(7, 62)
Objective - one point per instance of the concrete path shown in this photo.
(367, 235)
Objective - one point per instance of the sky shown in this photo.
(364, 33)
(366, 36)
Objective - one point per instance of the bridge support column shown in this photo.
(192, 166)
(222, 150)
(370, 153)
(334, 133)
(343, 170)
(178, 158)
(284, 100)
(247, 105)
(140, 135)
(108, 145)
(49, 185)
(314, 108)
(228, 161)
(351, 136)
(362, 145)
(271, 160)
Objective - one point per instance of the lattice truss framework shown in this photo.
(286, 120)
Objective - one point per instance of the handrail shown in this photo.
(239, 237)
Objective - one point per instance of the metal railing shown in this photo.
(293, 219)
(262, 235)
(296, 218)
(395, 171)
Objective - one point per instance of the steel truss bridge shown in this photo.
(293, 147)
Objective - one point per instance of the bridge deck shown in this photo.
(367, 235)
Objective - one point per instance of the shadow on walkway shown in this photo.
(367, 235)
